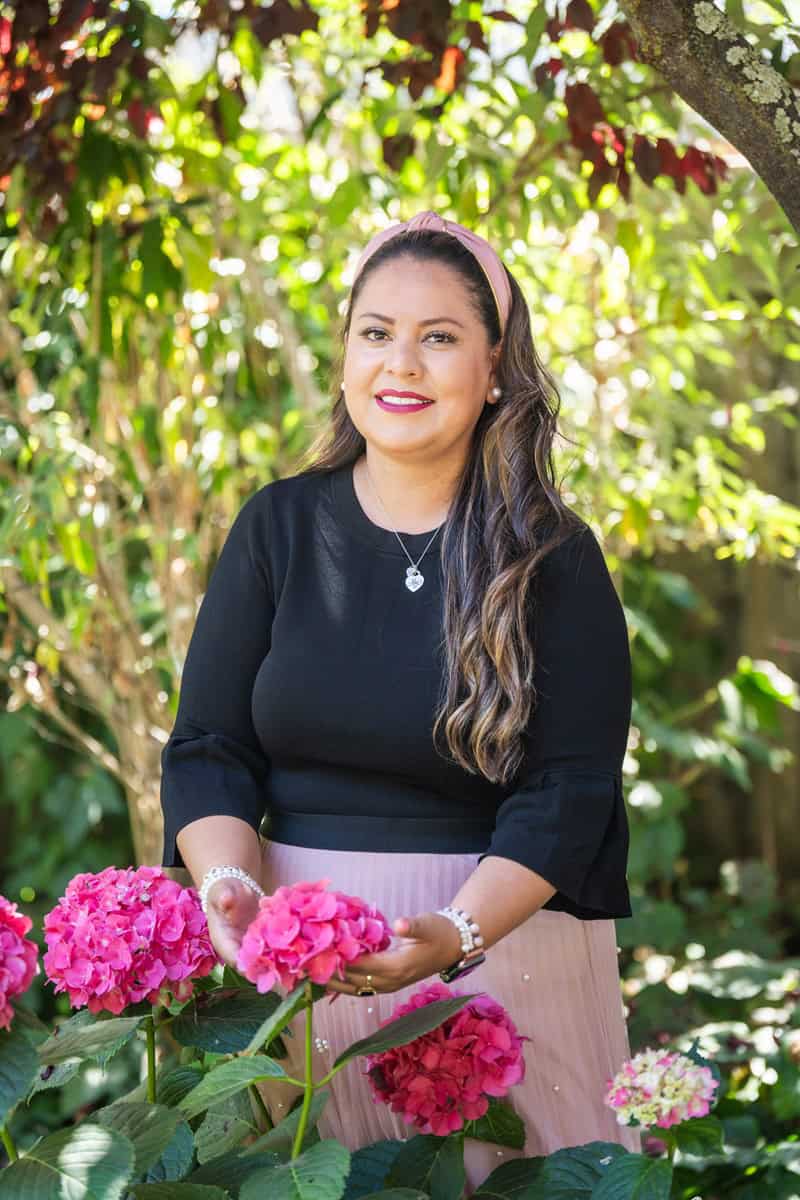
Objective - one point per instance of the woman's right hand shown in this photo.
(230, 909)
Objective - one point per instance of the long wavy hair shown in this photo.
(506, 516)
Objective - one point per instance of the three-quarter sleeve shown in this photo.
(213, 763)
(565, 818)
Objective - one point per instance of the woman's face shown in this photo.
(414, 329)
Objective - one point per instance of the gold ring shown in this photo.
(367, 991)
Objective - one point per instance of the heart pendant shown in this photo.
(414, 580)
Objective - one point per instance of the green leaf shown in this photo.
(435, 1164)
(19, 1066)
(500, 1125)
(149, 1127)
(231, 1170)
(512, 1179)
(84, 1162)
(227, 1079)
(289, 1007)
(534, 29)
(53, 1077)
(406, 1029)
(176, 1159)
(700, 1135)
(24, 1019)
(224, 1021)
(178, 1191)
(574, 1173)
(398, 1194)
(177, 1083)
(82, 1037)
(224, 1126)
(635, 1177)
(369, 1167)
(280, 1140)
(317, 1174)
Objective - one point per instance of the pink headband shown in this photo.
(493, 268)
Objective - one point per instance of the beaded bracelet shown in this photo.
(472, 954)
(468, 929)
(214, 874)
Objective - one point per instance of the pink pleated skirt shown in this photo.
(557, 976)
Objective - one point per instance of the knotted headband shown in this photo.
(493, 268)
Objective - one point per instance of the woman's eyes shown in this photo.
(448, 337)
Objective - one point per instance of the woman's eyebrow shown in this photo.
(390, 320)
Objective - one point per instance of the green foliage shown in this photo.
(87, 1163)
(167, 341)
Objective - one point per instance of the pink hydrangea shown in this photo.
(445, 1077)
(307, 932)
(17, 958)
(126, 935)
(660, 1087)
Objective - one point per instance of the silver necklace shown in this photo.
(414, 577)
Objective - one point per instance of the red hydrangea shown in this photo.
(445, 1077)
(307, 932)
(17, 958)
(126, 935)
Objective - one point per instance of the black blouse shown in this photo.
(309, 691)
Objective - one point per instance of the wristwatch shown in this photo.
(467, 963)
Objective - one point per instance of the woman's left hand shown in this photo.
(424, 945)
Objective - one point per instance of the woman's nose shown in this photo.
(402, 355)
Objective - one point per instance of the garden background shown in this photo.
(185, 190)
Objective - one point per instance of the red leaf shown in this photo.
(547, 70)
(668, 157)
(580, 15)
(474, 32)
(280, 18)
(583, 107)
(139, 117)
(603, 173)
(396, 149)
(618, 44)
(646, 159)
(698, 166)
(5, 36)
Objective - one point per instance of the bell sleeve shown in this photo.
(565, 818)
(213, 763)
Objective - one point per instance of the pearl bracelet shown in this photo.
(214, 874)
(468, 929)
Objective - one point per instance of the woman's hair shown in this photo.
(506, 516)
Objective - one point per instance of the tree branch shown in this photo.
(712, 66)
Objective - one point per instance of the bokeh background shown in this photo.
(185, 191)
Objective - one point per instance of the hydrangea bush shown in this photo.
(446, 1077)
(130, 948)
(307, 932)
(122, 936)
(18, 958)
(661, 1087)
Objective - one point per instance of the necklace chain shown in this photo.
(414, 578)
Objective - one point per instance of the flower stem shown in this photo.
(261, 1106)
(150, 1030)
(327, 1078)
(8, 1142)
(309, 1082)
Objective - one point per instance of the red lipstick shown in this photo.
(384, 400)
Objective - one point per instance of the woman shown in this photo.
(426, 726)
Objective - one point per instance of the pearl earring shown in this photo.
(497, 392)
